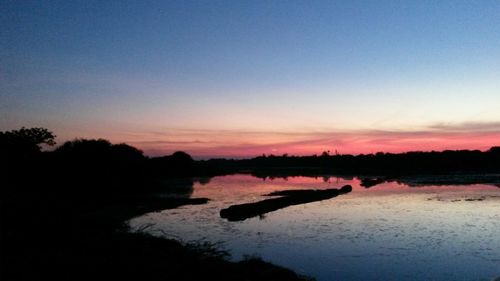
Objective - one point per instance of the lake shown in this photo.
(391, 231)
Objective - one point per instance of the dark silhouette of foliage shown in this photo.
(389, 164)
(24, 142)
(20, 153)
(35, 136)
(178, 164)
(495, 150)
(114, 166)
(99, 150)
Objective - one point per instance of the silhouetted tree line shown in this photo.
(87, 163)
(97, 163)
(433, 162)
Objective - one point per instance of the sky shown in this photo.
(245, 78)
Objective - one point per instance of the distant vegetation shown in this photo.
(85, 162)
(448, 161)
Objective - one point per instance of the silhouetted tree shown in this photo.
(25, 141)
(20, 153)
(35, 136)
(182, 158)
(178, 164)
(98, 161)
(495, 150)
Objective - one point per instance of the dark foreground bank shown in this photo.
(46, 239)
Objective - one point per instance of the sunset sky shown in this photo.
(243, 78)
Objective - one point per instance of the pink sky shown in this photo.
(205, 144)
(241, 80)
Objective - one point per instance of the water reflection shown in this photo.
(390, 231)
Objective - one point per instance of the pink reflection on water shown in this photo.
(245, 185)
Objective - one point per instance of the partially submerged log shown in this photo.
(288, 198)
(369, 182)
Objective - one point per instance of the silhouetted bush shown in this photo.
(100, 164)
(21, 159)
(178, 164)
(494, 150)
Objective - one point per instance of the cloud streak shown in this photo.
(467, 126)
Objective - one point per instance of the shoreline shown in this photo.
(81, 245)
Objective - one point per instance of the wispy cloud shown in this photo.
(468, 126)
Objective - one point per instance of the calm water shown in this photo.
(387, 232)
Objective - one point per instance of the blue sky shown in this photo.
(150, 71)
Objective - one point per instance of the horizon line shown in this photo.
(214, 157)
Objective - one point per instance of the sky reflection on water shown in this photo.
(387, 232)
